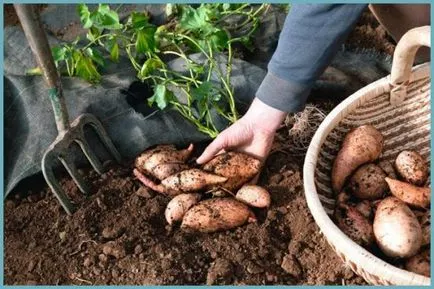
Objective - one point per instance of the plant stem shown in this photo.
(211, 132)
(188, 61)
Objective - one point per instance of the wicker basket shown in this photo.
(398, 106)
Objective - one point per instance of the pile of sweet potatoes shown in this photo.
(213, 197)
(380, 205)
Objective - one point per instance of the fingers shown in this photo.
(213, 148)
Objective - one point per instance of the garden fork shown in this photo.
(68, 133)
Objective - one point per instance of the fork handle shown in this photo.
(41, 49)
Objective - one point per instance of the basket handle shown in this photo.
(403, 59)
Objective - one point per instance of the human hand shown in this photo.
(252, 134)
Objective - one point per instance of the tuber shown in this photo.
(368, 182)
(361, 145)
(179, 205)
(148, 160)
(152, 185)
(356, 226)
(192, 180)
(165, 170)
(411, 194)
(396, 229)
(412, 167)
(237, 167)
(254, 196)
(217, 214)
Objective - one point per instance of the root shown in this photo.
(153, 186)
(302, 126)
(147, 182)
(83, 280)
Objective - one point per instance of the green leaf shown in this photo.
(145, 40)
(105, 18)
(149, 67)
(205, 92)
(96, 56)
(204, 96)
(162, 29)
(58, 53)
(219, 40)
(112, 46)
(103, 8)
(196, 19)
(139, 20)
(85, 68)
(114, 52)
(248, 43)
(84, 13)
(197, 68)
(212, 11)
(162, 96)
(93, 33)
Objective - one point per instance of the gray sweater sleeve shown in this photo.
(310, 37)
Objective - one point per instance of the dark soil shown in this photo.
(369, 34)
(119, 234)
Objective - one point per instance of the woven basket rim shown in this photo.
(362, 257)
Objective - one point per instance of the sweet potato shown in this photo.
(239, 168)
(192, 180)
(396, 229)
(411, 194)
(254, 196)
(368, 182)
(165, 170)
(156, 187)
(179, 205)
(147, 153)
(148, 160)
(420, 264)
(141, 159)
(216, 215)
(354, 225)
(361, 145)
(412, 167)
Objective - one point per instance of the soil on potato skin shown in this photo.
(119, 236)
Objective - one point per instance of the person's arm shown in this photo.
(311, 36)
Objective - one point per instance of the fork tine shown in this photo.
(96, 125)
(94, 161)
(47, 161)
(72, 170)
